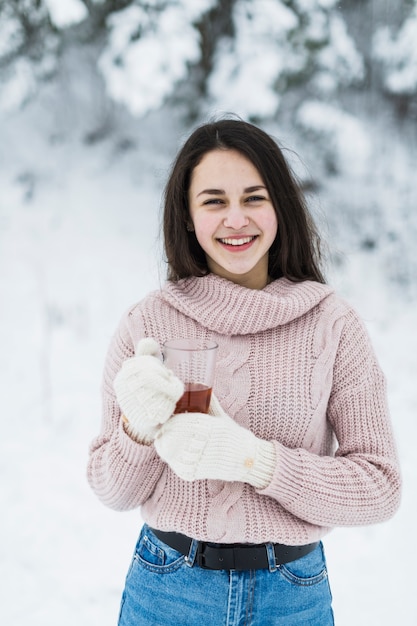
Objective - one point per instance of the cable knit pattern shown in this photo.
(227, 494)
(296, 367)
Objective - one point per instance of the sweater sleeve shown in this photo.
(361, 483)
(121, 472)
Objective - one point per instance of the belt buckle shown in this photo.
(217, 557)
(231, 557)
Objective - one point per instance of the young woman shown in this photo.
(298, 439)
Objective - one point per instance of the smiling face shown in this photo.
(233, 217)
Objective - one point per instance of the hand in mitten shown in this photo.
(214, 446)
(146, 391)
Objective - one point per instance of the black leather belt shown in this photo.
(236, 556)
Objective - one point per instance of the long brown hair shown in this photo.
(295, 252)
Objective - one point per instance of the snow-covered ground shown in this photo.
(78, 244)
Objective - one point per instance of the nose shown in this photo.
(236, 217)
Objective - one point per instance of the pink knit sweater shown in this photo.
(296, 367)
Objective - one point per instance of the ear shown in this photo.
(190, 227)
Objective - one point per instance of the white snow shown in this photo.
(340, 59)
(19, 75)
(398, 53)
(66, 12)
(262, 52)
(11, 35)
(247, 67)
(344, 136)
(19, 85)
(78, 244)
(140, 72)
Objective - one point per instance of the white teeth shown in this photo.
(237, 242)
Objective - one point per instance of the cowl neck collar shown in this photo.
(226, 308)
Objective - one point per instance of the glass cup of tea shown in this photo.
(193, 361)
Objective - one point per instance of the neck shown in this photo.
(256, 278)
(248, 281)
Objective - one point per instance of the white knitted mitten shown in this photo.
(146, 391)
(200, 446)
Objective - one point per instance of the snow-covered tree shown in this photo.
(397, 52)
(28, 50)
(150, 49)
(278, 45)
(243, 53)
(247, 56)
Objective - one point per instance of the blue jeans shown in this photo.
(164, 588)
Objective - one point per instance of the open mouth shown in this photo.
(237, 241)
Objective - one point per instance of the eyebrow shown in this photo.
(221, 192)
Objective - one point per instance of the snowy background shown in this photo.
(85, 147)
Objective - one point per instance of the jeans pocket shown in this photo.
(309, 570)
(155, 556)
